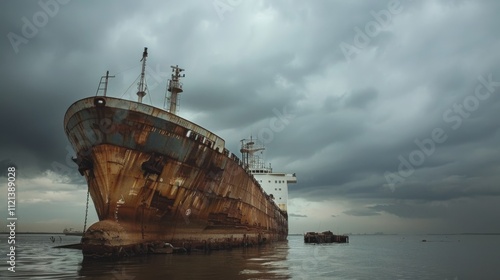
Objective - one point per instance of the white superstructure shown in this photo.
(274, 184)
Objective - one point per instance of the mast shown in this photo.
(249, 148)
(141, 89)
(175, 87)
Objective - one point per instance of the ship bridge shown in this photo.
(274, 184)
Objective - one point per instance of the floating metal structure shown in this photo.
(155, 177)
(325, 237)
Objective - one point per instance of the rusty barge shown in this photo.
(325, 237)
(155, 177)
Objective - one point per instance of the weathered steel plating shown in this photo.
(156, 177)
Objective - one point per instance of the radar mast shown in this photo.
(141, 89)
(250, 156)
(174, 88)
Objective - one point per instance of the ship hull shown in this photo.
(155, 177)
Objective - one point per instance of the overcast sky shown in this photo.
(387, 111)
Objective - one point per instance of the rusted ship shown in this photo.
(156, 177)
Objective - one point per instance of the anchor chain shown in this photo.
(86, 211)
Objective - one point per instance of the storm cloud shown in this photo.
(387, 111)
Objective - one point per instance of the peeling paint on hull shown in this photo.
(155, 177)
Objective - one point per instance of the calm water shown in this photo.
(366, 257)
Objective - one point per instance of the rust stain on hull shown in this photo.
(154, 176)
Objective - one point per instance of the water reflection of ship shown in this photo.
(265, 262)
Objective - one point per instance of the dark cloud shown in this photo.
(5, 164)
(360, 98)
(362, 212)
(407, 210)
(350, 119)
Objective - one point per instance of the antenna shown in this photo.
(141, 89)
(175, 87)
